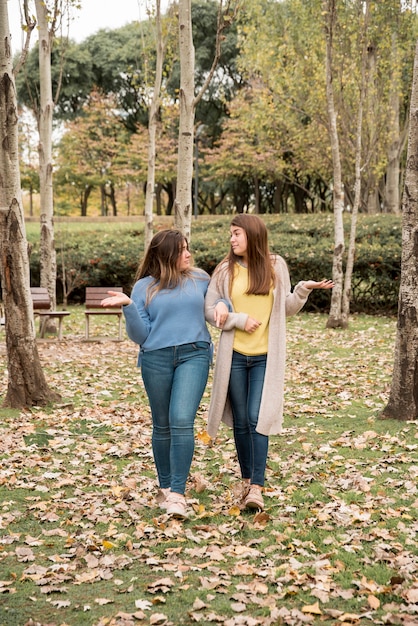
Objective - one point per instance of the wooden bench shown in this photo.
(42, 308)
(94, 296)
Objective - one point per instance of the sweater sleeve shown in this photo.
(296, 299)
(137, 320)
(217, 293)
(136, 327)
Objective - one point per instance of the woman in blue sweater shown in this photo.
(165, 317)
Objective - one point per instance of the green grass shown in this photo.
(83, 543)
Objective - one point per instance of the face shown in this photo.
(238, 241)
(183, 261)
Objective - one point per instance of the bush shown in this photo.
(108, 254)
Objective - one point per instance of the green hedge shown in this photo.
(104, 254)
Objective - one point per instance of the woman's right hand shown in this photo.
(116, 299)
(251, 325)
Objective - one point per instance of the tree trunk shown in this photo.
(188, 103)
(152, 129)
(403, 397)
(112, 197)
(159, 189)
(48, 262)
(257, 195)
(183, 201)
(392, 203)
(365, 12)
(26, 381)
(335, 315)
(103, 201)
(85, 194)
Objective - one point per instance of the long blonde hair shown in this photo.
(161, 260)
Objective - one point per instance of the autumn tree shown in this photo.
(27, 385)
(93, 152)
(403, 397)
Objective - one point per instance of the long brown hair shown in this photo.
(160, 261)
(260, 268)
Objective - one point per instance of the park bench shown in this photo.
(42, 308)
(94, 296)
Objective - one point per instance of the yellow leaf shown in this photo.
(234, 510)
(204, 437)
(107, 544)
(312, 608)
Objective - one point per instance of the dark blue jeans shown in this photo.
(245, 390)
(175, 379)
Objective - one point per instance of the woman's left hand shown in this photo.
(116, 299)
(323, 284)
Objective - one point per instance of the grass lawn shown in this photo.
(83, 543)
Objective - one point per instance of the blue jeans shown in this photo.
(245, 389)
(175, 379)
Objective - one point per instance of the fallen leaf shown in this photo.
(312, 608)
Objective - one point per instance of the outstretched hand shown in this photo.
(323, 284)
(115, 299)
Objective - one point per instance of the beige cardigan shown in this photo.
(285, 303)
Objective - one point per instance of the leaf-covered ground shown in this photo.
(82, 540)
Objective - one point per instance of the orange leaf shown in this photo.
(204, 437)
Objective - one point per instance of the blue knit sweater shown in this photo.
(172, 318)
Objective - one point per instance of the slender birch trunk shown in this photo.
(188, 103)
(403, 397)
(365, 8)
(152, 128)
(183, 201)
(335, 315)
(26, 381)
(48, 262)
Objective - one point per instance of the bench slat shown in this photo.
(40, 298)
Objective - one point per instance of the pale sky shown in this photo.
(93, 15)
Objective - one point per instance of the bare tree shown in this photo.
(403, 397)
(26, 381)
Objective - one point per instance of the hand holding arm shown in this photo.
(116, 299)
(220, 314)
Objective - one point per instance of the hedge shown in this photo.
(107, 254)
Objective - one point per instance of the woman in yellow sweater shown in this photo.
(249, 297)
